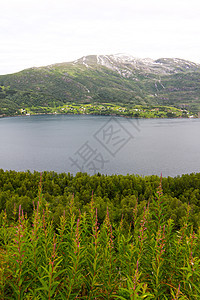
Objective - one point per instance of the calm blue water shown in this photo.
(108, 145)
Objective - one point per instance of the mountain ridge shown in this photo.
(161, 64)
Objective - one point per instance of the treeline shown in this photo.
(118, 193)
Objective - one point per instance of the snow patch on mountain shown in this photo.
(128, 66)
(84, 62)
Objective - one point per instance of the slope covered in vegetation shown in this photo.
(117, 192)
(87, 255)
(103, 79)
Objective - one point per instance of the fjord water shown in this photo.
(109, 145)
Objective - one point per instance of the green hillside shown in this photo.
(114, 79)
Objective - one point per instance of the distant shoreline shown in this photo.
(83, 114)
(106, 115)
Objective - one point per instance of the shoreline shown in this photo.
(87, 114)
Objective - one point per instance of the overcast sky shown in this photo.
(42, 32)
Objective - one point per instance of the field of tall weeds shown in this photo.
(82, 259)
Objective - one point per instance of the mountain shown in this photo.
(119, 79)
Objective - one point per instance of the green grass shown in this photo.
(112, 109)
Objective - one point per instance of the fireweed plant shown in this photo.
(81, 259)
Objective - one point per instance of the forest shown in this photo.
(99, 237)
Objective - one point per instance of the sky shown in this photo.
(36, 33)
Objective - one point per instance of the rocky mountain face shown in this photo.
(116, 78)
(127, 65)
